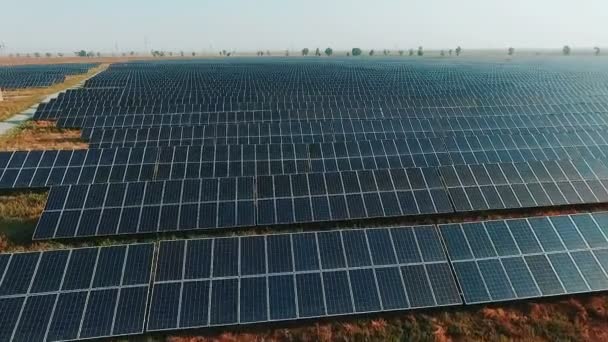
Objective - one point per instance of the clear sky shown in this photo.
(249, 25)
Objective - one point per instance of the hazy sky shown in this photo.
(67, 25)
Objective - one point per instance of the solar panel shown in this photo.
(33, 76)
(347, 130)
(30, 169)
(74, 293)
(529, 257)
(522, 185)
(263, 278)
(161, 206)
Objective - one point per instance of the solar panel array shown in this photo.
(33, 76)
(534, 257)
(199, 145)
(74, 294)
(226, 281)
(105, 291)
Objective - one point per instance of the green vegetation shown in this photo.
(356, 52)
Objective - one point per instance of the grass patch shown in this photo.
(16, 101)
(22, 206)
(32, 135)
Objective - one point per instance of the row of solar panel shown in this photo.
(454, 143)
(421, 92)
(91, 100)
(159, 120)
(61, 174)
(523, 258)
(91, 112)
(80, 293)
(512, 259)
(145, 207)
(587, 147)
(592, 140)
(175, 162)
(294, 276)
(325, 127)
(27, 76)
(97, 103)
(263, 152)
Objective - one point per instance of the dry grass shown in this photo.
(24, 206)
(18, 216)
(34, 135)
(16, 101)
(579, 318)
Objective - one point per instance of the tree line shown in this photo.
(566, 51)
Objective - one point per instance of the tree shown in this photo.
(420, 51)
(401, 52)
(597, 50)
(371, 52)
(132, 53)
(356, 52)
(81, 53)
(305, 51)
(37, 54)
(511, 51)
(193, 54)
(60, 54)
(268, 52)
(98, 54)
(566, 50)
(317, 52)
(442, 53)
(347, 54)
(286, 53)
(450, 52)
(458, 51)
(386, 52)
(411, 52)
(329, 51)
(170, 53)
(48, 55)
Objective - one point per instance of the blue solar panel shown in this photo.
(75, 293)
(521, 258)
(299, 275)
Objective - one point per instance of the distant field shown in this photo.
(18, 100)
(498, 53)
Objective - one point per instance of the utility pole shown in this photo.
(146, 44)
